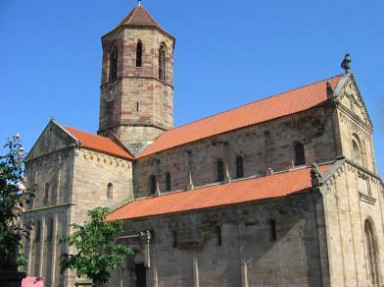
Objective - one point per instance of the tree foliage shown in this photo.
(97, 253)
(12, 198)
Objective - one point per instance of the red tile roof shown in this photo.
(280, 105)
(247, 190)
(99, 143)
(139, 17)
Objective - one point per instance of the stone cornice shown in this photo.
(49, 207)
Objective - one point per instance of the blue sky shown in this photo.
(228, 53)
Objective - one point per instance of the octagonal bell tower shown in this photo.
(136, 101)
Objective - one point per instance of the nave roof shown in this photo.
(280, 105)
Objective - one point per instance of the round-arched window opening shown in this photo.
(110, 190)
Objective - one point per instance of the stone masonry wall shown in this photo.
(233, 246)
(93, 172)
(50, 176)
(351, 197)
(263, 146)
(354, 125)
(138, 100)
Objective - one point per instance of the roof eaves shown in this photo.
(294, 193)
(107, 153)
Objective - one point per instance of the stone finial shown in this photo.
(315, 175)
(346, 64)
(330, 91)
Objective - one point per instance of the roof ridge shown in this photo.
(254, 102)
(76, 129)
(139, 9)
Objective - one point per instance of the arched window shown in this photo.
(239, 167)
(168, 181)
(220, 170)
(356, 149)
(139, 54)
(219, 235)
(113, 64)
(49, 225)
(162, 62)
(299, 154)
(371, 249)
(272, 225)
(53, 195)
(153, 184)
(46, 193)
(110, 190)
(37, 231)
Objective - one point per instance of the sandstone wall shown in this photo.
(140, 105)
(351, 197)
(267, 145)
(50, 176)
(354, 125)
(246, 253)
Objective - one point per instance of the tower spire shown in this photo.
(139, 3)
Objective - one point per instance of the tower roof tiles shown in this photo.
(139, 17)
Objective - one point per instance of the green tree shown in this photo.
(13, 196)
(97, 253)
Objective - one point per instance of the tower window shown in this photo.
(113, 64)
(220, 170)
(168, 181)
(299, 154)
(239, 167)
(137, 107)
(162, 62)
(139, 54)
(110, 190)
(153, 184)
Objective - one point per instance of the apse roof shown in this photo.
(274, 186)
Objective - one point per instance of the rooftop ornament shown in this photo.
(346, 64)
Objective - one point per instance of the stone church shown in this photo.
(282, 191)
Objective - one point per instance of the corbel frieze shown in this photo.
(104, 159)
